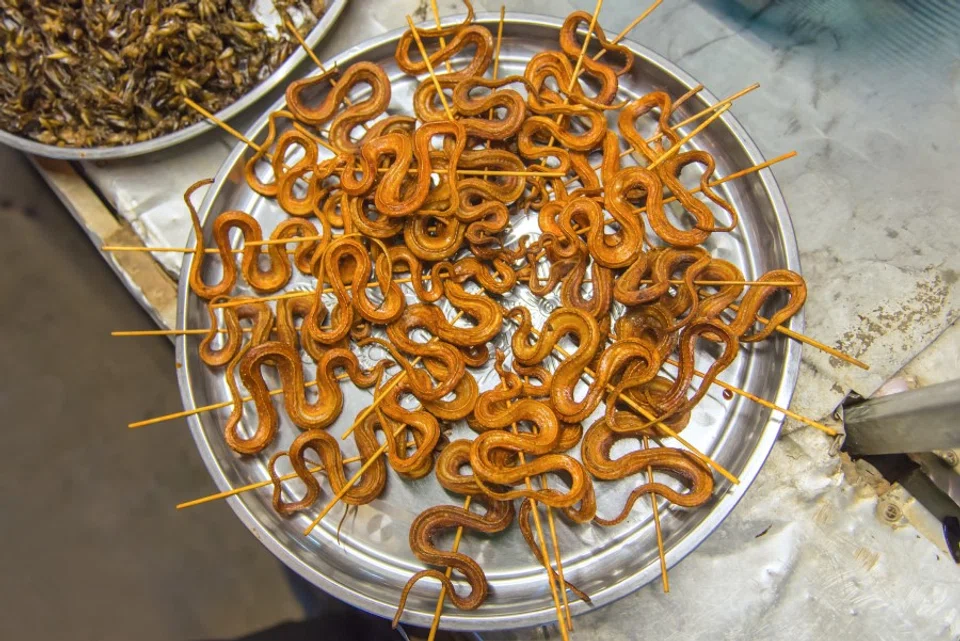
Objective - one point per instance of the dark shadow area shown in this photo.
(92, 545)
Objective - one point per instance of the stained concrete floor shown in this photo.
(92, 547)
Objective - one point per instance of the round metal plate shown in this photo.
(373, 561)
(30, 146)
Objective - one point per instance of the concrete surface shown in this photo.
(92, 545)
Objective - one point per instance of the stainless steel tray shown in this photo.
(373, 562)
(168, 140)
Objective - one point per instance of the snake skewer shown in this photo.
(353, 480)
(313, 56)
(438, 611)
(656, 524)
(554, 589)
(426, 61)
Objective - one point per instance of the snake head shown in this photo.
(499, 357)
(385, 363)
(519, 314)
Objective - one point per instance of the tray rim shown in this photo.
(725, 503)
(248, 99)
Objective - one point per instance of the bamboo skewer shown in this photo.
(173, 332)
(556, 554)
(377, 399)
(236, 134)
(586, 44)
(726, 101)
(703, 112)
(214, 406)
(786, 331)
(496, 66)
(373, 284)
(687, 96)
(556, 545)
(465, 172)
(178, 250)
(656, 523)
(438, 611)
(212, 250)
(496, 50)
(675, 148)
(760, 401)
(783, 330)
(443, 42)
(255, 486)
(161, 332)
(576, 70)
(491, 172)
(620, 36)
(403, 281)
(303, 43)
(577, 67)
(629, 150)
(316, 469)
(630, 27)
(429, 65)
(665, 428)
(244, 399)
(496, 172)
(263, 299)
(706, 283)
(220, 123)
(583, 52)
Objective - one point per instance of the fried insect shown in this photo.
(92, 74)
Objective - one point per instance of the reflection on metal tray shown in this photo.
(269, 17)
(373, 561)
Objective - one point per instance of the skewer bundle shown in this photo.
(377, 200)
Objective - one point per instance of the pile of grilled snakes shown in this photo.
(383, 200)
